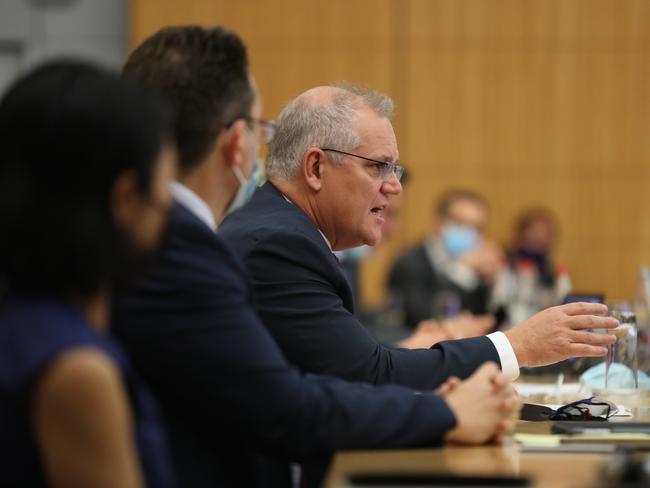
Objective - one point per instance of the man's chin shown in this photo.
(372, 239)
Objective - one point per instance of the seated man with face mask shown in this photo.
(454, 268)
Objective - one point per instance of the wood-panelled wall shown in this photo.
(528, 101)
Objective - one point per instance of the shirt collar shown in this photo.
(325, 238)
(192, 202)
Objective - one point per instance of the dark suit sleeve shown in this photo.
(298, 293)
(196, 338)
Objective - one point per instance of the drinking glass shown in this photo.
(621, 363)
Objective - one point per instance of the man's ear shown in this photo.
(125, 199)
(312, 168)
(234, 143)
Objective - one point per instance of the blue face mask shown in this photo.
(459, 239)
(246, 187)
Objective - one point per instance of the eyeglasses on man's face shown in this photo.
(383, 170)
(267, 128)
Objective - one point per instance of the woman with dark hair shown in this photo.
(85, 168)
(531, 281)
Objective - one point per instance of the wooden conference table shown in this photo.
(544, 469)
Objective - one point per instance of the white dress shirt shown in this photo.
(192, 202)
(459, 274)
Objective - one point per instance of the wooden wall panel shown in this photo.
(536, 102)
(293, 44)
(528, 101)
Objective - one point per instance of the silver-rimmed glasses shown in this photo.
(385, 170)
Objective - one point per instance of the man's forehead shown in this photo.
(468, 211)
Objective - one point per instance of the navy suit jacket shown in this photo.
(305, 301)
(415, 279)
(228, 394)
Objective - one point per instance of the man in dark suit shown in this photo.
(453, 269)
(332, 167)
(231, 400)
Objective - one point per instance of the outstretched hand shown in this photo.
(560, 332)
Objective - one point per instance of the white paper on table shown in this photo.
(529, 389)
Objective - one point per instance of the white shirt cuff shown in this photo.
(509, 364)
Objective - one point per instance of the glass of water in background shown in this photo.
(621, 363)
(642, 310)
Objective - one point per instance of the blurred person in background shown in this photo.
(84, 194)
(386, 323)
(454, 268)
(531, 281)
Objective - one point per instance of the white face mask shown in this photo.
(246, 187)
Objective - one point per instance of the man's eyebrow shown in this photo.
(386, 159)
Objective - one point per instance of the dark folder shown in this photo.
(579, 427)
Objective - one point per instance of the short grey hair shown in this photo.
(305, 123)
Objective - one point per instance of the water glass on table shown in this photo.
(621, 363)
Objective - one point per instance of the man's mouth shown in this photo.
(378, 210)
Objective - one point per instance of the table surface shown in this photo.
(546, 470)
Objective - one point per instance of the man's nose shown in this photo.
(392, 185)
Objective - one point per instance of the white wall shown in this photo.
(34, 30)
